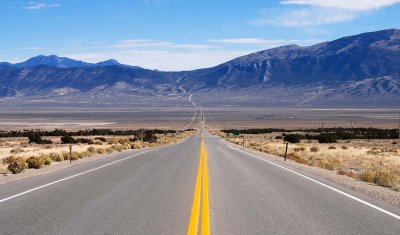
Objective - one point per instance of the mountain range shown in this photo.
(62, 62)
(360, 70)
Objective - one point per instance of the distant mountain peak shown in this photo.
(62, 62)
(112, 60)
(51, 60)
(108, 62)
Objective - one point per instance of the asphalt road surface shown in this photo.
(153, 192)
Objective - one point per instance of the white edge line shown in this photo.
(322, 184)
(85, 172)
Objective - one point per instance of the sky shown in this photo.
(177, 35)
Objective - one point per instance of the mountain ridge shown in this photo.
(358, 67)
(62, 62)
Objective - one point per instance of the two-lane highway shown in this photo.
(153, 192)
(251, 196)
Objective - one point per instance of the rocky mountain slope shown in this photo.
(61, 62)
(356, 70)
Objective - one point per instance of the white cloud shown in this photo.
(172, 56)
(133, 43)
(318, 12)
(264, 41)
(163, 59)
(38, 6)
(192, 46)
(353, 5)
(142, 43)
(305, 17)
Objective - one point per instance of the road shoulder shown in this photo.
(381, 194)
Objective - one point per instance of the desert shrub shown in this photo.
(101, 151)
(17, 150)
(382, 178)
(298, 149)
(16, 164)
(84, 141)
(56, 157)
(326, 138)
(149, 136)
(136, 145)
(101, 139)
(385, 178)
(65, 155)
(124, 141)
(113, 141)
(88, 154)
(314, 149)
(91, 149)
(67, 139)
(74, 156)
(7, 160)
(293, 138)
(35, 162)
(332, 147)
(109, 150)
(329, 164)
(83, 154)
(36, 138)
(367, 176)
(394, 142)
(98, 143)
(47, 161)
(344, 147)
(118, 148)
(126, 145)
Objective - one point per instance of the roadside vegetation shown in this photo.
(366, 154)
(35, 150)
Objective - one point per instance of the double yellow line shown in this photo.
(201, 192)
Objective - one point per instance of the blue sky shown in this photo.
(180, 34)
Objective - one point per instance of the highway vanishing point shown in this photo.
(202, 185)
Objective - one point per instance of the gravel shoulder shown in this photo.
(55, 166)
(377, 192)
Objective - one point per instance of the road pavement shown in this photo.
(153, 192)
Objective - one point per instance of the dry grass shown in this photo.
(361, 159)
(20, 154)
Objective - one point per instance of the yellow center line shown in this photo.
(194, 216)
(201, 191)
(205, 214)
